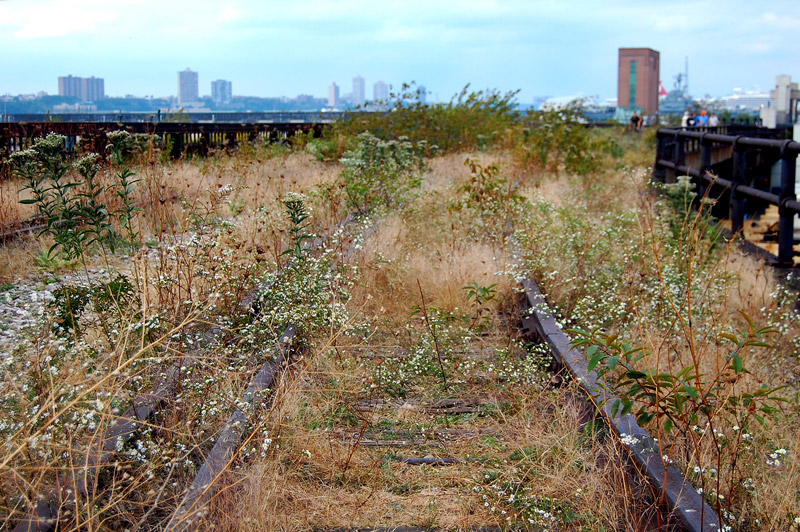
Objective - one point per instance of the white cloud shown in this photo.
(781, 22)
(396, 31)
(37, 20)
(231, 13)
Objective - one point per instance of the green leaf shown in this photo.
(684, 372)
(578, 332)
(737, 363)
(668, 426)
(615, 408)
(595, 360)
(691, 391)
(628, 406)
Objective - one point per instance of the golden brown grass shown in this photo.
(329, 463)
(196, 265)
(334, 465)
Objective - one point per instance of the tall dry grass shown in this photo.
(597, 240)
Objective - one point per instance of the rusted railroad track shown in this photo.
(671, 489)
(47, 508)
(435, 448)
(442, 448)
(678, 501)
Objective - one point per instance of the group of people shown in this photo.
(637, 121)
(703, 119)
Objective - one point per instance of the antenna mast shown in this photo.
(686, 77)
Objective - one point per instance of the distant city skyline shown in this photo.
(541, 48)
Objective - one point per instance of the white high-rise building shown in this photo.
(380, 92)
(422, 94)
(358, 92)
(188, 88)
(333, 95)
(221, 91)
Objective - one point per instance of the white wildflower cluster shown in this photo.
(520, 506)
(628, 440)
(775, 457)
(520, 366)
(261, 443)
(225, 190)
(514, 364)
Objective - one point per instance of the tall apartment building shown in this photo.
(637, 79)
(221, 91)
(380, 92)
(188, 87)
(422, 94)
(87, 89)
(92, 89)
(69, 86)
(333, 95)
(358, 91)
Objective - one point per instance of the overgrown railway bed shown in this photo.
(400, 373)
(459, 422)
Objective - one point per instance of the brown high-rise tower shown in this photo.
(637, 79)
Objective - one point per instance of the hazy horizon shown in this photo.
(280, 48)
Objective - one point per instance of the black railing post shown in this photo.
(786, 223)
(679, 155)
(739, 178)
(5, 142)
(659, 172)
(177, 145)
(705, 165)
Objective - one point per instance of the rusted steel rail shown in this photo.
(225, 449)
(671, 153)
(182, 136)
(44, 515)
(677, 494)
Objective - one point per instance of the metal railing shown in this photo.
(15, 136)
(671, 153)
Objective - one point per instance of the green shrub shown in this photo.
(471, 121)
(381, 173)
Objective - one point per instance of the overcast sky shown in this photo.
(288, 47)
